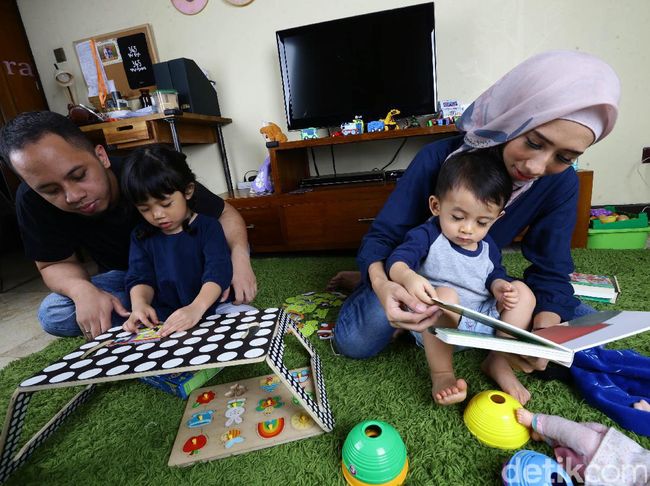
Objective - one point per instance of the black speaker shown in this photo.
(195, 92)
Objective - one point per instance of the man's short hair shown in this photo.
(483, 173)
(31, 126)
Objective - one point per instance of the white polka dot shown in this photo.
(121, 349)
(232, 314)
(199, 332)
(254, 353)
(131, 357)
(192, 340)
(207, 324)
(62, 377)
(239, 335)
(227, 356)
(259, 341)
(222, 329)
(178, 334)
(107, 360)
(144, 366)
(124, 334)
(158, 354)
(233, 345)
(215, 338)
(213, 317)
(263, 332)
(271, 309)
(225, 322)
(90, 373)
(33, 380)
(267, 324)
(267, 317)
(89, 345)
(81, 364)
(247, 319)
(172, 363)
(104, 336)
(101, 351)
(74, 355)
(168, 344)
(145, 346)
(252, 312)
(117, 370)
(183, 351)
(115, 329)
(208, 347)
(200, 359)
(55, 366)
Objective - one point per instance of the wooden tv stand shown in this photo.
(336, 217)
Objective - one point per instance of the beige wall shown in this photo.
(477, 41)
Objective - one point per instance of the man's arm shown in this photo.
(93, 306)
(243, 280)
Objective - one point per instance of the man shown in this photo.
(70, 199)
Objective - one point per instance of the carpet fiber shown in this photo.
(124, 433)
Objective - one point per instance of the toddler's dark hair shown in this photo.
(482, 173)
(155, 171)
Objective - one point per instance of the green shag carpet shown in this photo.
(124, 433)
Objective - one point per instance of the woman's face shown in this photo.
(547, 149)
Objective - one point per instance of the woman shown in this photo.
(538, 118)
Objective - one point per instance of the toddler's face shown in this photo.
(464, 220)
(167, 214)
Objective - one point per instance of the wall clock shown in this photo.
(189, 7)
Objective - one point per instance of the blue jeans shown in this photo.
(362, 329)
(58, 314)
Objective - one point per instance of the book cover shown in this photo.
(557, 343)
(600, 288)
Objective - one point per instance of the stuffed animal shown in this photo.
(272, 133)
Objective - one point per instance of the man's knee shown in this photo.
(58, 317)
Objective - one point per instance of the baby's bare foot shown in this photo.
(498, 368)
(446, 389)
(345, 281)
(524, 417)
(642, 405)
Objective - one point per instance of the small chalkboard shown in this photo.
(137, 63)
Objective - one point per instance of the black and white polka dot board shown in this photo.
(220, 341)
(234, 418)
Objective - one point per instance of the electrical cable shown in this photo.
(248, 172)
(396, 153)
(313, 158)
(333, 161)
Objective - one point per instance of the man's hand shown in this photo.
(402, 309)
(505, 293)
(94, 308)
(243, 280)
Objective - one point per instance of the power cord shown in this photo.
(252, 178)
(313, 158)
(396, 153)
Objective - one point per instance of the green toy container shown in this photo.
(636, 221)
(374, 453)
(618, 239)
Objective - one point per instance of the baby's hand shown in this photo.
(420, 288)
(505, 293)
(181, 320)
(142, 315)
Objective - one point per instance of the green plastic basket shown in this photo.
(636, 221)
(617, 239)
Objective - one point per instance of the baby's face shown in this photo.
(464, 219)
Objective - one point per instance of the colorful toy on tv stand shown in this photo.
(376, 126)
(354, 127)
(530, 468)
(272, 134)
(308, 133)
(389, 121)
(374, 454)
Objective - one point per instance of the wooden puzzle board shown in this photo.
(218, 423)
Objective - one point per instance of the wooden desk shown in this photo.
(183, 129)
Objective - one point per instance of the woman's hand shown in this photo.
(142, 314)
(402, 309)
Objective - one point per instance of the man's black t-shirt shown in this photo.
(50, 234)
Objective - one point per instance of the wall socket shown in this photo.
(645, 158)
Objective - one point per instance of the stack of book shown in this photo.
(598, 288)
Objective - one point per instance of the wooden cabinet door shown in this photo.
(264, 228)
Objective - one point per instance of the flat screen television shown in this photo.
(364, 65)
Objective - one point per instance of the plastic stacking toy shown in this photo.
(374, 453)
(530, 468)
(490, 416)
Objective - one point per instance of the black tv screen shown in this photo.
(364, 65)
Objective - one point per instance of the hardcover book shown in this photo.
(598, 288)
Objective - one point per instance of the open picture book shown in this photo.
(557, 343)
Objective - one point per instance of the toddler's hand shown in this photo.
(505, 293)
(181, 320)
(420, 288)
(142, 315)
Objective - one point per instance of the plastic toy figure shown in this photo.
(389, 122)
(376, 126)
(308, 133)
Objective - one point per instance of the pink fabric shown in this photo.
(552, 85)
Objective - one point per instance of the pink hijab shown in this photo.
(567, 85)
